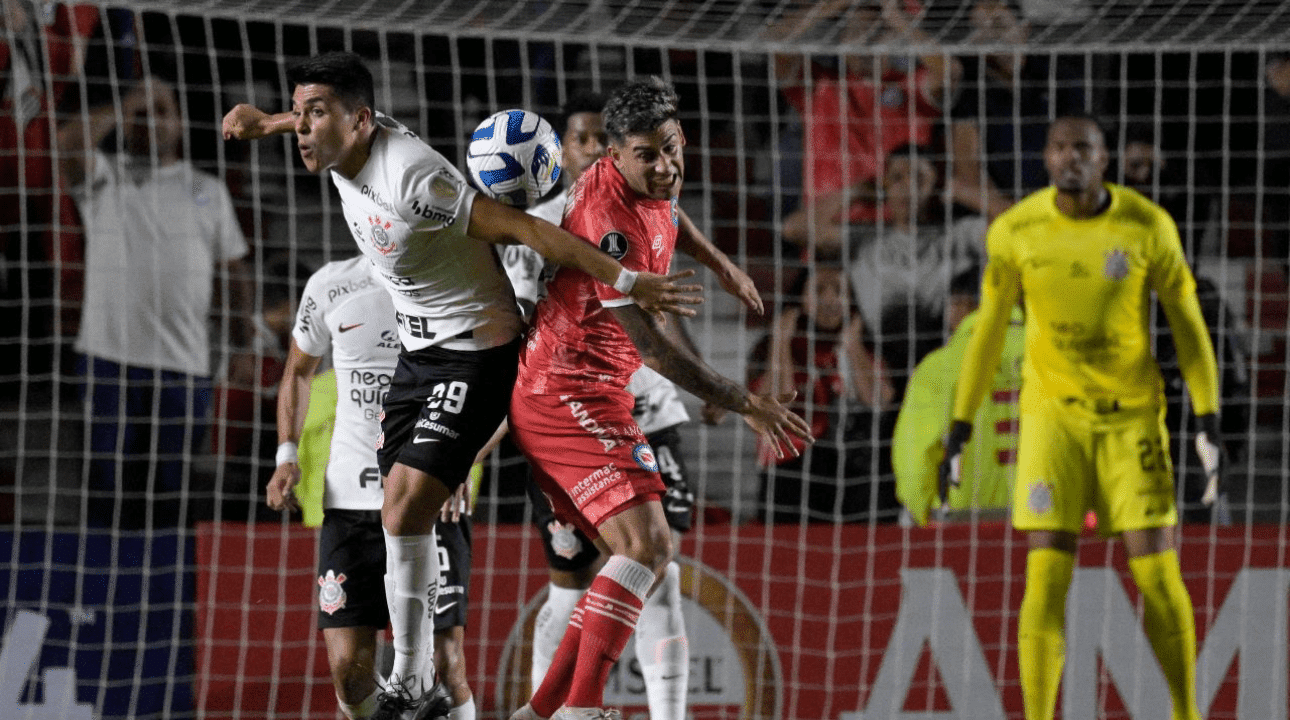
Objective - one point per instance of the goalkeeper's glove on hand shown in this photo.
(947, 473)
(1209, 448)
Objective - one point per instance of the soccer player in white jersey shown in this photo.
(346, 314)
(573, 559)
(421, 226)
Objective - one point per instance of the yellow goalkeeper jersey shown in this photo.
(1086, 285)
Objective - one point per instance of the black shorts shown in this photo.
(569, 550)
(442, 406)
(678, 503)
(351, 571)
(454, 573)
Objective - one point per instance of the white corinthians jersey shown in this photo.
(657, 404)
(346, 311)
(527, 269)
(408, 210)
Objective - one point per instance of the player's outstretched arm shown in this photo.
(293, 405)
(494, 222)
(247, 122)
(691, 241)
(662, 350)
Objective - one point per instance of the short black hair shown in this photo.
(639, 107)
(581, 102)
(343, 72)
(1082, 117)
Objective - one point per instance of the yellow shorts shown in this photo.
(1071, 460)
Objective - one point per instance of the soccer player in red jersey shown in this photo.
(571, 414)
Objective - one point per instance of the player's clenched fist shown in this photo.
(247, 122)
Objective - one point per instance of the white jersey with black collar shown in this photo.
(409, 210)
(345, 312)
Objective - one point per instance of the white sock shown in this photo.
(662, 649)
(411, 587)
(548, 629)
(363, 710)
(464, 711)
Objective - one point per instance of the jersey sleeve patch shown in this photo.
(615, 244)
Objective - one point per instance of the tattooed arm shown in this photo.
(664, 349)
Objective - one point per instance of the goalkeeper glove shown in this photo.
(947, 473)
(1210, 450)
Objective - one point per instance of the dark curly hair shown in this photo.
(639, 107)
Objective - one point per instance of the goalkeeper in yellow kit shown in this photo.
(1085, 256)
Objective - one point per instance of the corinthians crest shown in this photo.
(1117, 265)
(331, 596)
(380, 235)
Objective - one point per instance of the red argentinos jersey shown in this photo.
(575, 341)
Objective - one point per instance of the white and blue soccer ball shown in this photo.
(514, 157)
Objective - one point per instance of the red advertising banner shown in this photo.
(844, 622)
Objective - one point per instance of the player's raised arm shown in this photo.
(663, 350)
(691, 241)
(494, 222)
(247, 122)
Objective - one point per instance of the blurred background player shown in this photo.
(428, 236)
(570, 411)
(1085, 256)
(346, 314)
(161, 239)
(572, 559)
(989, 459)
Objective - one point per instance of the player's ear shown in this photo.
(363, 118)
(613, 152)
(680, 134)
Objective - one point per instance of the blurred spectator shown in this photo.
(1275, 154)
(1179, 189)
(915, 275)
(857, 111)
(156, 230)
(988, 458)
(1000, 119)
(235, 409)
(814, 348)
(41, 48)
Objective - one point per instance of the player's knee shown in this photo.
(651, 548)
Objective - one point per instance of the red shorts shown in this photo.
(587, 454)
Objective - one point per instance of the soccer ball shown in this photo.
(514, 157)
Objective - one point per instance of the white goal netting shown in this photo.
(143, 576)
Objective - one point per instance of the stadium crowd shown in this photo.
(888, 168)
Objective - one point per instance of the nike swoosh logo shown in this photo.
(421, 439)
(441, 609)
(347, 328)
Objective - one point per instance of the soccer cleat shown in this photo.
(572, 713)
(397, 703)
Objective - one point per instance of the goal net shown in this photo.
(144, 577)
